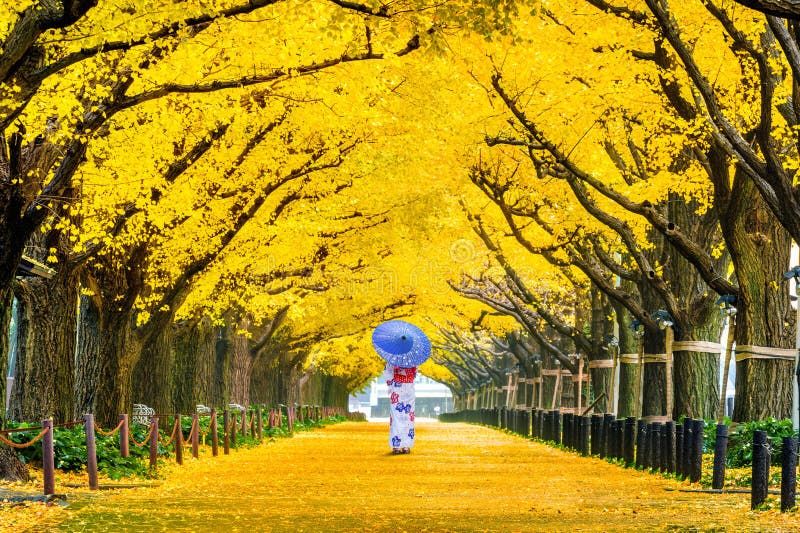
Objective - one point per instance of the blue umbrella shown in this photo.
(401, 344)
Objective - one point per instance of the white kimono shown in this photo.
(401, 405)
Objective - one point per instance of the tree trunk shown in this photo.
(194, 365)
(87, 357)
(759, 247)
(153, 371)
(119, 351)
(6, 313)
(44, 382)
(241, 366)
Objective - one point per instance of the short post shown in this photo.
(697, 452)
(788, 473)
(629, 440)
(178, 441)
(567, 430)
(655, 445)
(91, 451)
(557, 426)
(597, 433)
(720, 451)
(641, 431)
(608, 437)
(244, 422)
(226, 441)
(259, 423)
(153, 442)
(679, 451)
(688, 446)
(214, 437)
(586, 423)
(232, 429)
(760, 469)
(290, 418)
(669, 446)
(196, 436)
(662, 466)
(48, 458)
(124, 442)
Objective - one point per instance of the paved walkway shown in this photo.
(458, 478)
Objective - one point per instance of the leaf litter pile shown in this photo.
(458, 478)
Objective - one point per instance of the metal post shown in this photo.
(760, 469)
(178, 442)
(788, 473)
(720, 451)
(91, 451)
(226, 441)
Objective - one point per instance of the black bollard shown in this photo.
(720, 452)
(679, 450)
(688, 445)
(557, 427)
(662, 447)
(608, 437)
(669, 430)
(788, 473)
(641, 426)
(567, 430)
(655, 445)
(597, 433)
(760, 469)
(629, 440)
(697, 452)
(586, 428)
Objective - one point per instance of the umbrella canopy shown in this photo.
(401, 343)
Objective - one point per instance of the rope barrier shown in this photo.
(146, 438)
(171, 437)
(26, 444)
(109, 433)
(696, 346)
(191, 433)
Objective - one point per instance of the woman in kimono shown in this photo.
(401, 406)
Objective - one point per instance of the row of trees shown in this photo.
(653, 172)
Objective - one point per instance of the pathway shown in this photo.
(458, 478)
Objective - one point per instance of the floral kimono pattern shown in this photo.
(401, 402)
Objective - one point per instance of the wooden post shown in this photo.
(196, 436)
(226, 441)
(153, 442)
(214, 436)
(637, 408)
(727, 368)
(580, 385)
(760, 473)
(556, 388)
(688, 445)
(91, 451)
(48, 459)
(244, 422)
(178, 441)
(124, 437)
(233, 428)
(597, 434)
(260, 423)
(788, 473)
(720, 451)
(669, 335)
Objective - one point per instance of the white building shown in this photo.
(373, 401)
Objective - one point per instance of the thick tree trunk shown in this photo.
(759, 247)
(241, 367)
(6, 309)
(153, 371)
(194, 366)
(44, 382)
(222, 359)
(87, 357)
(119, 351)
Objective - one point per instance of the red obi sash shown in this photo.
(404, 375)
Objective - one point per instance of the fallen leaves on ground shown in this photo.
(458, 478)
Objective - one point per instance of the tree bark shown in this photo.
(87, 357)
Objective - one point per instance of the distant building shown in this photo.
(433, 398)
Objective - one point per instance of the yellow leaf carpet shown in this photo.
(458, 478)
